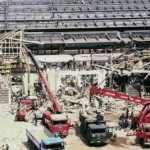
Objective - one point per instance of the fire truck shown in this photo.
(26, 107)
(142, 119)
(53, 118)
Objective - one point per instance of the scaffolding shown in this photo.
(11, 44)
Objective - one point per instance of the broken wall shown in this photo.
(100, 75)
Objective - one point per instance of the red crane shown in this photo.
(53, 118)
(56, 107)
(142, 119)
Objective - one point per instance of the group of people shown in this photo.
(5, 147)
(126, 120)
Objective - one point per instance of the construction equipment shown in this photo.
(141, 121)
(52, 118)
(26, 107)
(42, 139)
(94, 128)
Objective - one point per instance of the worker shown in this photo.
(123, 121)
(29, 92)
(35, 118)
(100, 117)
(127, 113)
(7, 147)
(59, 92)
(107, 106)
(3, 147)
(134, 123)
(122, 116)
(100, 103)
(131, 115)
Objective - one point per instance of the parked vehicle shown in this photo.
(43, 139)
(26, 108)
(53, 118)
(94, 129)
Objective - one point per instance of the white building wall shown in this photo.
(100, 74)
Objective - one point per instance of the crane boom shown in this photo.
(52, 98)
(117, 95)
(141, 122)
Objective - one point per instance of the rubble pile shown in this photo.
(72, 105)
(16, 88)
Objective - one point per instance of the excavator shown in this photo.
(53, 118)
(142, 120)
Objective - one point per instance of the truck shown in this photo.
(94, 129)
(56, 123)
(26, 107)
(53, 118)
(43, 139)
(141, 121)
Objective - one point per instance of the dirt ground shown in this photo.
(13, 134)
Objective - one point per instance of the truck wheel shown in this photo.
(88, 142)
(29, 143)
(16, 118)
(32, 146)
(142, 143)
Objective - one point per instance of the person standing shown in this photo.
(35, 118)
(7, 147)
(3, 147)
(127, 113)
(100, 103)
(60, 91)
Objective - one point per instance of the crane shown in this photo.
(142, 119)
(53, 118)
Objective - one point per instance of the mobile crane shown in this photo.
(142, 119)
(53, 118)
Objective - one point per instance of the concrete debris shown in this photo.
(73, 91)
(16, 88)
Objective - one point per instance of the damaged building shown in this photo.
(80, 54)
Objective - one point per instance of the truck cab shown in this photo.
(57, 123)
(94, 129)
(53, 143)
(98, 133)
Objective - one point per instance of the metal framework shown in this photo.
(9, 46)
